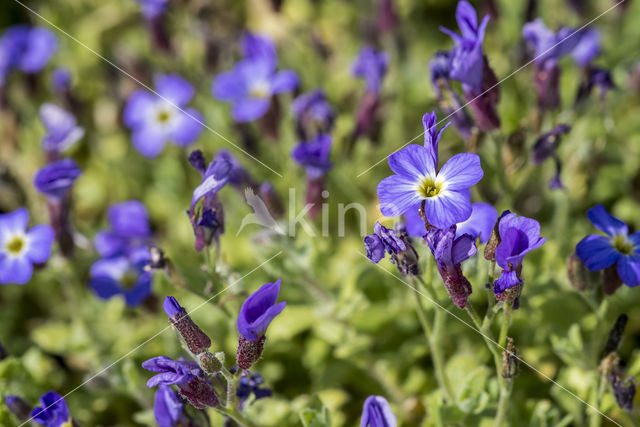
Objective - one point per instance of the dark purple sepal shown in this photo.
(199, 393)
(546, 80)
(249, 352)
(483, 102)
(193, 337)
(456, 284)
(611, 280)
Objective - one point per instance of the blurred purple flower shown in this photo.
(588, 47)
(128, 229)
(123, 275)
(153, 8)
(61, 79)
(313, 113)
(61, 127)
(20, 249)
(479, 224)
(549, 45)
(239, 176)
(624, 391)
(445, 192)
(53, 411)
(518, 237)
(450, 251)
(259, 48)
(618, 248)
(314, 155)
(167, 407)
(371, 65)
(251, 383)
(376, 412)
(55, 179)
(28, 48)
(467, 58)
(157, 119)
(259, 310)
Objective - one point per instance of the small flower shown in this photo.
(624, 391)
(20, 249)
(313, 113)
(155, 120)
(250, 85)
(467, 59)
(195, 340)
(29, 48)
(450, 251)
(167, 407)
(153, 8)
(618, 248)
(259, 310)
(314, 155)
(62, 129)
(518, 237)
(445, 192)
(128, 229)
(549, 46)
(122, 275)
(377, 413)
(53, 411)
(206, 213)
(239, 176)
(383, 240)
(55, 179)
(587, 48)
(371, 65)
(251, 383)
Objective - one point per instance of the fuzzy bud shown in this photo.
(624, 391)
(193, 337)
(210, 363)
(199, 393)
(510, 361)
(511, 295)
(249, 352)
(577, 272)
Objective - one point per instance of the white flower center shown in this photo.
(260, 89)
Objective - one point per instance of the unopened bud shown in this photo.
(615, 335)
(494, 239)
(210, 363)
(249, 352)
(577, 272)
(18, 407)
(624, 391)
(193, 337)
(510, 361)
(610, 280)
(199, 393)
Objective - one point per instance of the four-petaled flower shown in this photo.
(444, 192)
(376, 412)
(20, 249)
(617, 248)
(53, 411)
(157, 119)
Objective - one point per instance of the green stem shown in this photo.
(487, 336)
(503, 403)
(595, 419)
(506, 317)
(236, 416)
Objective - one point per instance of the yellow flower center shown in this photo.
(129, 279)
(259, 90)
(163, 116)
(622, 245)
(429, 188)
(67, 423)
(15, 245)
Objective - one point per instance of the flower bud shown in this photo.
(249, 352)
(510, 361)
(577, 272)
(615, 335)
(210, 363)
(193, 337)
(18, 407)
(610, 280)
(624, 392)
(199, 393)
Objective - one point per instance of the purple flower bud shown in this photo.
(314, 155)
(313, 113)
(615, 335)
(18, 407)
(546, 145)
(377, 413)
(249, 352)
(371, 65)
(374, 247)
(259, 310)
(61, 79)
(239, 176)
(510, 360)
(173, 308)
(55, 179)
(53, 411)
(251, 384)
(193, 337)
(196, 158)
(624, 391)
(587, 48)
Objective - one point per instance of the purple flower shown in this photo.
(587, 48)
(239, 176)
(377, 413)
(152, 8)
(383, 240)
(546, 145)
(155, 120)
(249, 86)
(128, 229)
(450, 251)
(123, 275)
(597, 78)
(548, 45)
(444, 192)
(53, 411)
(251, 383)
(55, 179)
(371, 65)
(479, 224)
(617, 248)
(20, 249)
(467, 59)
(61, 79)
(196, 341)
(62, 128)
(29, 48)
(172, 308)
(314, 155)
(259, 310)
(518, 237)
(167, 408)
(206, 213)
(439, 67)
(624, 391)
(313, 113)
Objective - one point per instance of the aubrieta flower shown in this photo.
(518, 237)
(28, 48)
(314, 155)
(250, 85)
(467, 58)
(20, 249)
(313, 113)
(122, 275)
(376, 412)
(618, 249)
(186, 375)
(128, 229)
(254, 318)
(418, 180)
(61, 127)
(382, 241)
(53, 411)
(587, 48)
(450, 249)
(206, 213)
(152, 8)
(239, 176)
(55, 179)
(196, 341)
(371, 65)
(251, 383)
(167, 407)
(157, 119)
